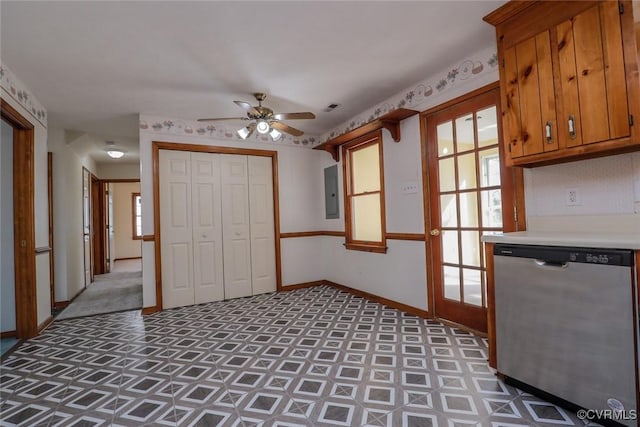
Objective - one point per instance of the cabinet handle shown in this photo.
(547, 131)
(572, 126)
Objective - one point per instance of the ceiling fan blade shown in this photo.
(247, 107)
(294, 116)
(223, 118)
(286, 128)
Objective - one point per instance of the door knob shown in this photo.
(435, 232)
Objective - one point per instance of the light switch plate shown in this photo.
(410, 187)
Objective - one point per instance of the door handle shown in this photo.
(548, 134)
(435, 232)
(572, 126)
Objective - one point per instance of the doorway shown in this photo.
(466, 181)
(24, 261)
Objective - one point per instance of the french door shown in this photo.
(466, 178)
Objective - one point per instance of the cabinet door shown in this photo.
(529, 119)
(593, 93)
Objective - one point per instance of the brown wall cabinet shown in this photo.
(569, 80)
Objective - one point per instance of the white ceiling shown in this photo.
(95, 65)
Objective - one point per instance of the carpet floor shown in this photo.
(107, 294)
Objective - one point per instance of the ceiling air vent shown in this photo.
(331, 107)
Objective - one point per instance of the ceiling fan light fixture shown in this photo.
(275, 135)
(263, 127)
(244, 132)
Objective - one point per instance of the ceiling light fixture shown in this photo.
(115, 153)
(275, 135)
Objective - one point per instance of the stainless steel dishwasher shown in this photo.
(566, 323)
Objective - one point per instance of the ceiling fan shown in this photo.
(264, 120)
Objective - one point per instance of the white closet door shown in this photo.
(235, 220)
(263, 249)
(176, 247)
(207, 227)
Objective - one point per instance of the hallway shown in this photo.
(120, 290)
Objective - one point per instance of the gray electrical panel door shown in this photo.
(331, 205)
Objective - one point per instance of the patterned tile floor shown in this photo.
(310, 357)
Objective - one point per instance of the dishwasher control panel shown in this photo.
(561, 254)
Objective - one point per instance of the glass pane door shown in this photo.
(466, 203)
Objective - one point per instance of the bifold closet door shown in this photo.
(176, 245)
(236, 228)
(263, 247)
(208, 280)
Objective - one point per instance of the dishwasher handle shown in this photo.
(551, 264)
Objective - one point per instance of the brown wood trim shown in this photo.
(59, 305)
(156, 146)
(302, 285)
(45, 324)
(120, 180)
(52, 286)
(375, 298)
(149, 310)
(462, 98)
(370, 138)
(128, 258)
(98, 226)
(505, 12)
(366, 248)
(24, 221)
(276, 218)
(42, 250)
(8, 334)
(134, 236)
(491, 308)
(178, 146)
(390, 121)
(417, 237)
(426, 205)
(148, 238)
(311, 234)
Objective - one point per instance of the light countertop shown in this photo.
(583, 240)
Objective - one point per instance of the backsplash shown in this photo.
(607, 186)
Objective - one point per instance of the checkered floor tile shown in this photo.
(310, 357)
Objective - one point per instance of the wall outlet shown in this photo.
(572, 196)
(409, 187)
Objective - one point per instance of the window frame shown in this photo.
(348, 149)
(134, 216)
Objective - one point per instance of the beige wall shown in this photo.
(125, 245)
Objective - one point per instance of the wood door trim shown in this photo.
(52, 282)
(120, 180)
(24, 221)
(148, 237)
(156, 146)
(415, 237)
(295, 234)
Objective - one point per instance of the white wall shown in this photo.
(400, 274)
(116, 170)
(608, 189)
(7, 267)
(125, 245)
(68, 241)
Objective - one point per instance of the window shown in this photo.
(136, 213)
(364, 193)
